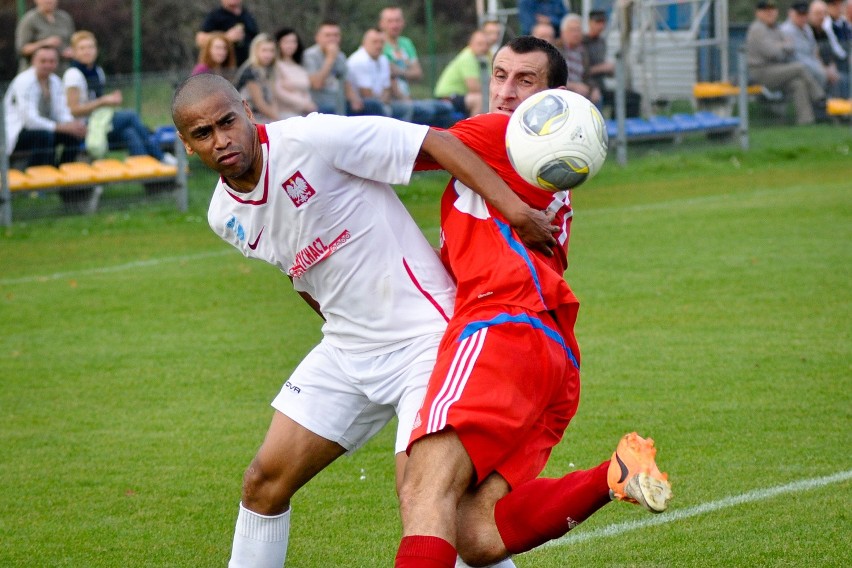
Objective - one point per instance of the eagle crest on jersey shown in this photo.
(298, 189)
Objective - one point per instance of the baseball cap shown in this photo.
(766, 4)
(800, 7)
(597, 15)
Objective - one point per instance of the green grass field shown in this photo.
(138, 355)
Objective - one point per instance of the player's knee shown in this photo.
(263, 492)
(479, 546)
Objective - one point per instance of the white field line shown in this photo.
(704, 508)
(114, 268)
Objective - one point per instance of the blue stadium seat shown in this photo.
(664, 125)
(164, 136)
(713, 120)
(687, 122)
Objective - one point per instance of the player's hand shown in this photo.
(536, 229)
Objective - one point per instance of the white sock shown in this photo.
(502, 564)
(260, 541)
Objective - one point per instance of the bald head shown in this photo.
(214, 123)
(196, 88)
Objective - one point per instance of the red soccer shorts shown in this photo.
(508, 384)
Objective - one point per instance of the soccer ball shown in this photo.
(556, 139)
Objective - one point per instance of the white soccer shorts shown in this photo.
(347, 398)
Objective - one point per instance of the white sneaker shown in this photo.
(169, 160)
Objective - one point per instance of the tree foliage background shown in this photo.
(169, 26)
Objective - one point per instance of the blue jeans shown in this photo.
(434, 112)
(128, 130)
(372, 107)
(42, 147)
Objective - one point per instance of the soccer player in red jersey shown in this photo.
(506, 383)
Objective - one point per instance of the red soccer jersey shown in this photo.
(488, 261)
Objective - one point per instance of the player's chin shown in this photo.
(231, 165)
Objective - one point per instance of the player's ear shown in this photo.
(186, 146)
(248, 110)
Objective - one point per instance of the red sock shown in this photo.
(425, 552)
(543, 509)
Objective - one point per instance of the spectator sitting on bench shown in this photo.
(769, 55)
(291, 82)
(836, 67)
(368, 71)
(38, 119)
(600, 67)
(217, 57)
(461, 80)
(326, 66)
(405, 68)
(805, 50)
(254, 79)
(545, 31)
(109, 127)
(577, 58)
(839, 32)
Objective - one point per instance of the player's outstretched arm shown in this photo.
(534, 227)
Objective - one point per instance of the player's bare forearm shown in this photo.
(534, 227)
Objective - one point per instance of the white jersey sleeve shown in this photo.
(372, 147)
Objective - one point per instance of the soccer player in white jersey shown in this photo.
(311, 195)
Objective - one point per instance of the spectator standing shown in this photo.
(550, 12)
(37, 116)
(326, 66)
(292, 84)
(600, 67)
(461, 80)
(577, 59)
(85, 91)
(217, 57)
(405, 67)
(43, 25)
(369, 74)
(805, 50)
(769, 56)
(235, 21)
(254, 79)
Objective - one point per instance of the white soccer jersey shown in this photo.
(325, 214)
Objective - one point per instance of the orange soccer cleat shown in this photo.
(633, 475)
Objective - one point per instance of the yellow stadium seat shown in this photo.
(44, 176)
(79, 173)
(18, 180)
(148, 166)
(720, 89)
(839, 107)
(110, 169)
